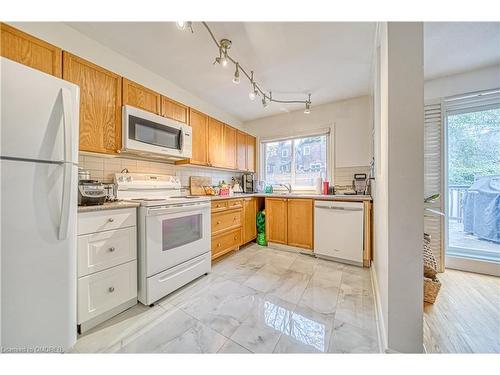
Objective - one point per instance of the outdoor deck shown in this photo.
(459, 239)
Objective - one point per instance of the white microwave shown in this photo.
(149, 135)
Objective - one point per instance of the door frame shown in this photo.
(455, 261)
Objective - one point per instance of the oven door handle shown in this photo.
(177, 208)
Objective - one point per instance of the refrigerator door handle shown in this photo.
(68, 126)
(67, 190)
(67, 198)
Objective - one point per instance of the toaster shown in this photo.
(91, 193)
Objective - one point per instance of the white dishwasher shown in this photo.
(338, 231)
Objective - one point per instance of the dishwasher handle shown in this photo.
(340, 208)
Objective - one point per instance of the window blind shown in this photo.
(433, 167)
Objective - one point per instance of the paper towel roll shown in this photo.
(319, 185)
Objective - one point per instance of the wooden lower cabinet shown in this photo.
(290, 221)
(226, 220)
(226, 226)
(276, 220)
(226, 242)
(300, 223)
(249, 219)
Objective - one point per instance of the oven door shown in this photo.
(175, 234)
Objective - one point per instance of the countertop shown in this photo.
(109, 206)
(336, 197)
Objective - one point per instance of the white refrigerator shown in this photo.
(38, 172)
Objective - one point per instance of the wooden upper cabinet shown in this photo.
(300, 223)
(28, 50)
(229, 147)
(249, 219)
(174, 110)
(276, 220)
(216, 153)
(251, 152)
(140, 97)
(100, 104)
(241, 151)
(199, 122)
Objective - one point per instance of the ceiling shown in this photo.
(331, 60)
(455, 47)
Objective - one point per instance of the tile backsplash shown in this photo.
(103, 168)
(344, 176)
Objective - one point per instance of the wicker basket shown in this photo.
(430, 263)
(431, 289)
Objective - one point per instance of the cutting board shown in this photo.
(196, 184)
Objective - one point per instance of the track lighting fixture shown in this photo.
(224, 59)
(236, 78)
(308, 106)
(253, 94)
(183, 25)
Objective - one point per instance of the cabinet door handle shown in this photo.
(111, 219)
(218, 221)
(218, 245)
(111, 249)
(235, 237)
(111, 289)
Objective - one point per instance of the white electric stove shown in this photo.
(173, 233)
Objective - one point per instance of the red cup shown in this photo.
(326, 185)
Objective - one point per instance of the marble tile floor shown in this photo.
(257, 300)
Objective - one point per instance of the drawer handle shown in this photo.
(111, 219)
(218, 245)
(235, 237)
(111, 289)
(218, 221)
(111, 249)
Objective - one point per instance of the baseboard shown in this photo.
(382, 339)
(472, 265)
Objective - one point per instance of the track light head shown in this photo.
(265, 103)
(183, 25)
(236, 78)
(308, 105)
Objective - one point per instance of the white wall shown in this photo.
(398, 192)
(472, 81)
(352, 128)
(71, 40)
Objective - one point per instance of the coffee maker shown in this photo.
(249, 183)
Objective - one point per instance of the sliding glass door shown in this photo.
(473, 179)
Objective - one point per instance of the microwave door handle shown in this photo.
(181, 140)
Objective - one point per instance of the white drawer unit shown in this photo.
(98, 221)
(107, 264)
(103, 291)
(102, 250)
(338, 231)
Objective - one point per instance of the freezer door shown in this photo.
(38, 269)
(40, 115)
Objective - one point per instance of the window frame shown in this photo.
(328, 159)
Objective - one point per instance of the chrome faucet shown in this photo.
(287, 186)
